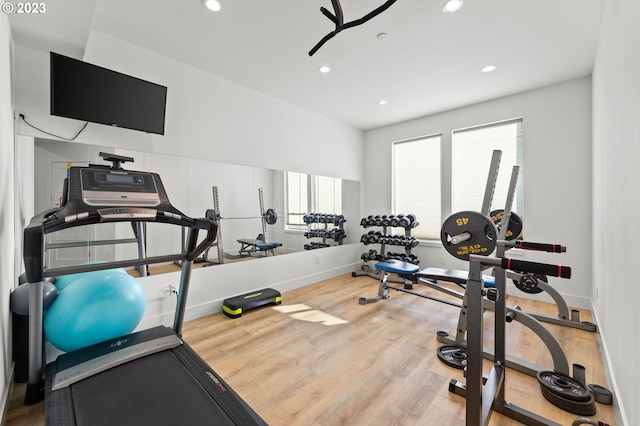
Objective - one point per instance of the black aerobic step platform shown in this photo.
(235, 306)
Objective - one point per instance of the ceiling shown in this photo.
(428, 62)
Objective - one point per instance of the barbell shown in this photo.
(270, 216)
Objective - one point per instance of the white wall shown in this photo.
(616, 197)
(7, 217)
(556, 173)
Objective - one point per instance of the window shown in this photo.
(327, 193)
(471, 151)
(417, 182)
(432, 189)
(310, 193)
(297, 197)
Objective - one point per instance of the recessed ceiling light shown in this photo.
(382, 102)
(489, 68)
(212, 5)
(324, 69)
(382, 36)
(451, 6)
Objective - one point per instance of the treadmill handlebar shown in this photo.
(47, 222)
(193, 250)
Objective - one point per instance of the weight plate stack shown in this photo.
(566, 393)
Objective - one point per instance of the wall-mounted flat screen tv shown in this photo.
(91, 93)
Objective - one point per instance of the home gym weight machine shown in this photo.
(485, 395)
(557, 386)
(475, 233)
(148, 377)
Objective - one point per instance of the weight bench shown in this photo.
(251, 247)
(412, 273)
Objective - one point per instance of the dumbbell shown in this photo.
(408, 221)
(371, 255)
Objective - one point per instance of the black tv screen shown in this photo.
(88, 92)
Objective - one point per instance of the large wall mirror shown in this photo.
(189, 183)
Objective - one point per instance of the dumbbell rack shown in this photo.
(335, 233)
(408, 222)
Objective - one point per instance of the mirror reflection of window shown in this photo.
(327, 194)
(310, 193)
(297, 196)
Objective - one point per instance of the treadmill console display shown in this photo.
(107, 187)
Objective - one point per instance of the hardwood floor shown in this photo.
(320, 358)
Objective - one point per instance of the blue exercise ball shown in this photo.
(63, 281)
(99, 306)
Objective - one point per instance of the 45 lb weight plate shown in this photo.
(468, 232)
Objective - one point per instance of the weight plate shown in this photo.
(528, 283)
(563, 386)
(271, 216)
(468, 232)
(601, 394)
(454, 356)
(581, 408)
(515, 224)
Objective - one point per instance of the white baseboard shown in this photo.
(618, 408)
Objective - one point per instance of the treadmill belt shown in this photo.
(171, 387)
(141, 392)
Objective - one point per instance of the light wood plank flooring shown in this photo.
(331, 361)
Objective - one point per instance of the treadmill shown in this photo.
(148, 377)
